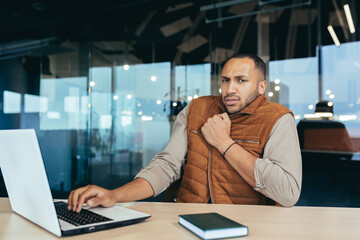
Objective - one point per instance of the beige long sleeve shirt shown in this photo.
(278, 174)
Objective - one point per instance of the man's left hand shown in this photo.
(216, 131)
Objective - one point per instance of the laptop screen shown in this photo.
(25, 178)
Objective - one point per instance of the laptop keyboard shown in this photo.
(84, 217)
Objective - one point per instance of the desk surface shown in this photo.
(264, 222)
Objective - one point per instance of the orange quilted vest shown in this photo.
(207, 174)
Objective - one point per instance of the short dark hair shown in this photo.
(259, 63)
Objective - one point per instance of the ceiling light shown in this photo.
(324, 114)
(277, 81)
(116, 97)
(349, 18)
(196, 96)
(126, 112)
(330, 104)
(333, 35)
(189, 98)
(331, 96)
(129, 96)
(153, 78)
(126, 67)
(277, 88)
(158, 101)
(146, 118)
(92, 84)
(270, 94)
(311, 107)
(328, 92)
(347, 117)
(311, 116)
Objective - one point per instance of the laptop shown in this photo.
(30, 196)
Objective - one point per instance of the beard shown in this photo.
(252, 96)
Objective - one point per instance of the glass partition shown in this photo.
(63, 116)
(342, 88)
(65, 103)
(294, 84)
(132, 114)
(341, 66)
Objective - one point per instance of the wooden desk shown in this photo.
(264, 222)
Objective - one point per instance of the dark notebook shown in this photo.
(212, 226)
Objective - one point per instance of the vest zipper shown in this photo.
(209, 174)
(246, 141)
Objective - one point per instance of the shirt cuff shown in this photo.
(259, 167)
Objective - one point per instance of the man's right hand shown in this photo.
(92, 195)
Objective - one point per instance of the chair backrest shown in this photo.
(324, 135)
(172, 191)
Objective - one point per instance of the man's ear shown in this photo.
(261, 87)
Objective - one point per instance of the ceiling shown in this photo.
(176, 31)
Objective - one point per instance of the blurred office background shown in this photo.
(101, 82)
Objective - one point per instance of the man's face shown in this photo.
(241, 83)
